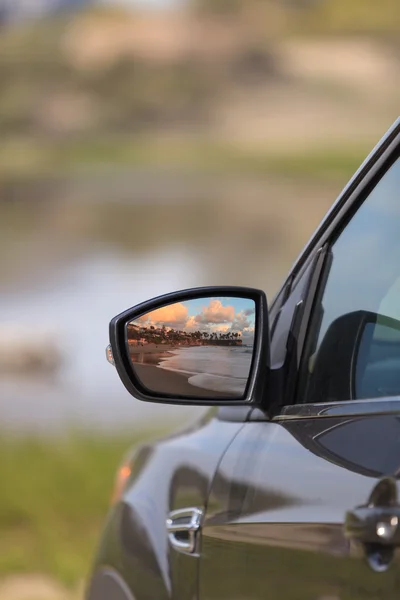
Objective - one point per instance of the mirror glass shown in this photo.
(197, 348)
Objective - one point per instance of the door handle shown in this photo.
(374, 525)
(377, 522)
(183, 527)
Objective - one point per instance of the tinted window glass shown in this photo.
(354, 349)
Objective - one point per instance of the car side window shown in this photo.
(353, 344)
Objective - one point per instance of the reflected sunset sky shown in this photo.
(212, 315)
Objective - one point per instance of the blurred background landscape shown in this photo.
(148, 147)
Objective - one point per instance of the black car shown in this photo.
(288, 488)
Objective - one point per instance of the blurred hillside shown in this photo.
(251, 85)
(206, 105)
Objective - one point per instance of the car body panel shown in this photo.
(274, 522)
(168, 475)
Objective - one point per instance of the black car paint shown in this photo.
(278, 501)
(275, 481)
(173, 473)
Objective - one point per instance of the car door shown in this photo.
(304, 504)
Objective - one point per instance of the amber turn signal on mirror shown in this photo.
(109, 355)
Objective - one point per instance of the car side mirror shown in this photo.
(202, 346)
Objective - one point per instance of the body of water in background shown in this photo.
(74, 260)
(74, 306)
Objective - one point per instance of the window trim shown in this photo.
(369, 171)
(323, 410)
(351, 197)
(346, 196)
(283, 369)
(359, 196)
(298, 326)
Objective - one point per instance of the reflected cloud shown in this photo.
(167, 316)
(215, 312)
(219, 319)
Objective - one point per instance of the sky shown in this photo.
(144, 3)
(38, 7)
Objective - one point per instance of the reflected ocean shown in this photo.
(212, 368)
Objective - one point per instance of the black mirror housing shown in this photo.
(223, 327)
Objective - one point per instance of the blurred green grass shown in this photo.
(26, 158)
(54, 498)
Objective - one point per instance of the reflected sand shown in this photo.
(148, 358)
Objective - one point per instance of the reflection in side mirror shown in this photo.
(202, 346)
(196, 348)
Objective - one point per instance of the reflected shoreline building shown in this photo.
(139, 335)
